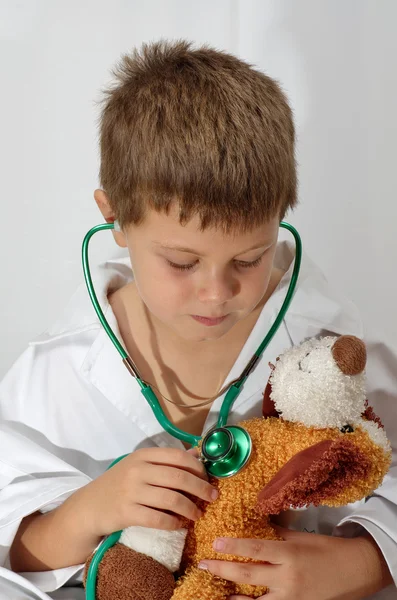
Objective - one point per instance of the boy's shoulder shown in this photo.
(60, 354)
(52, 386)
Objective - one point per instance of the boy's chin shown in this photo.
(201, 333)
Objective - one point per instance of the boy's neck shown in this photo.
(185, 371)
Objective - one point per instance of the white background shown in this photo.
(336, 59)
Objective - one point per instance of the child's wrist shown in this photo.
(79, 513)
(375, 574)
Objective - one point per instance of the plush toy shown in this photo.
(318, 443)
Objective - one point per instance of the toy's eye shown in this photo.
(347, 429)
(300, 363)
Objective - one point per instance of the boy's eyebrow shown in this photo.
(191, 251)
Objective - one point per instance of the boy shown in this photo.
(197, 165)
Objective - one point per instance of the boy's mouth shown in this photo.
(209, 321)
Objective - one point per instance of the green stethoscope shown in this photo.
(225, 450)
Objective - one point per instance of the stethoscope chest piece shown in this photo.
(226, 450)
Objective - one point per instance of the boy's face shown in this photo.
(199, 283)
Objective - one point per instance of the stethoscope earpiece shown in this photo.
(225, 450)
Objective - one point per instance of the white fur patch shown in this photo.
(309, 388)
(376, 433)
(164, 546)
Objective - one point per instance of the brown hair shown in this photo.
(201, 127)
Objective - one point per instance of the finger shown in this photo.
(270, 551)
(194, 451)
(168, 500)
(245, 573)
(177, 479)
(173, 457)
(155, 519)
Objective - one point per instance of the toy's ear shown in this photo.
(350, 354)
(315, 476)
(268, 406)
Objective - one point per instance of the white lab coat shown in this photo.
(68, 407)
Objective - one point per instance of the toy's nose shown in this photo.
(350, 354)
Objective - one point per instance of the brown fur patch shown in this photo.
(125, 574)
(268, 406)
(370, 415)
(350, 354)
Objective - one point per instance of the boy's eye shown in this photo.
(248, 265)
(240, 263)
(181, 267)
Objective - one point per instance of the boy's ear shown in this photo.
(104, 206)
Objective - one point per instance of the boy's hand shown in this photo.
(146, 488)
(305, 566)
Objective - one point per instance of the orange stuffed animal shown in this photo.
(318, 443)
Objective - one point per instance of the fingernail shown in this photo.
(219, 544)
(203, 566)
(214, 494)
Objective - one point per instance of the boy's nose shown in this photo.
(217, 290)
